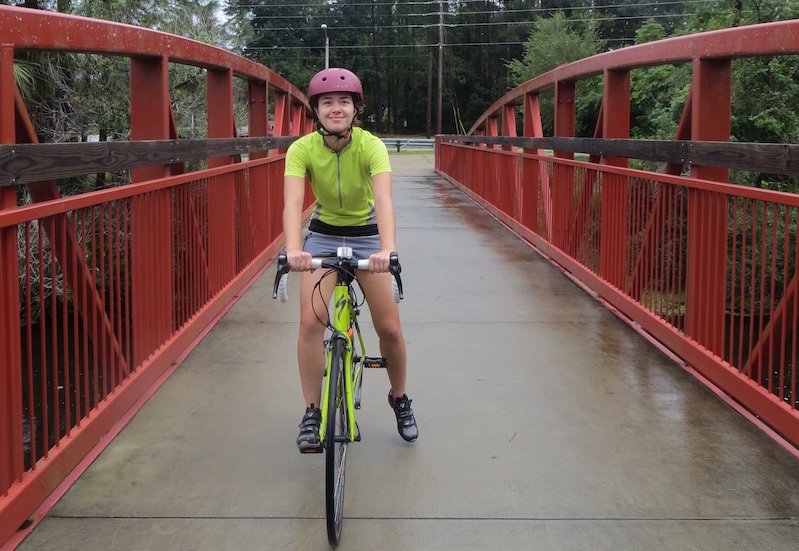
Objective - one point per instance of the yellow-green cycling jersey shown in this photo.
(341, 182)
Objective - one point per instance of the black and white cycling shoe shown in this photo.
(406, 422)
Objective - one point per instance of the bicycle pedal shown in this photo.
(318, 449)
(374, 362)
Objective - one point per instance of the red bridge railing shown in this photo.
(101, 293)
(709, 269)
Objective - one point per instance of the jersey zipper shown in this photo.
(338, 176)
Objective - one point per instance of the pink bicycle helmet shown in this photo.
(335, 79)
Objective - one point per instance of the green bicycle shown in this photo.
(341, 392)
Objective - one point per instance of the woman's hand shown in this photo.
(379, 262)
(299, 260)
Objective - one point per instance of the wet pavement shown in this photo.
(545, 423)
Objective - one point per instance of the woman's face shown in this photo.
(335, 111)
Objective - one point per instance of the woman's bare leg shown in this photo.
(310, 343)
(385, 316)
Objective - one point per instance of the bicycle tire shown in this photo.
(336, 439)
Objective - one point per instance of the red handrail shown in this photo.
(707, 268)
(100, 293)
(768, 39)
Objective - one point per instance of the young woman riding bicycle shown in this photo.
(351, 181)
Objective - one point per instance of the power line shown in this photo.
(381, 46)
(499, 12)
(469, 25)
(459, 12)
(351, 4)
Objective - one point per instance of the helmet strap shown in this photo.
(341, 136)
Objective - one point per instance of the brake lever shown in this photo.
(395, 269)
(282, 269)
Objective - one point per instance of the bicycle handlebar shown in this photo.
(362, 264)
(338, 263)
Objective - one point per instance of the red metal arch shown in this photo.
(768, 39)
(608, 226)
(185, 244)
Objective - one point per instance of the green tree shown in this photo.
(405, 65)
(657, 93)
(481, 37)
(618, 21)
(552, 42)
(764, 90)
(285, 37)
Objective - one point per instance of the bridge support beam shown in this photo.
(297, 119)
(222, 193)
(490, 185)
(707, 211)
(258, 113)
(615, 124)
(220, 109)
(260, 220)
(511, 167)
(282, 116)
(11, 452)
(563, 176)
(151, 214)
(149, 108)
(534, 173)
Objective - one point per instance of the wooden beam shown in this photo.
(26, 163)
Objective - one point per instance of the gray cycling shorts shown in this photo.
(323, 245)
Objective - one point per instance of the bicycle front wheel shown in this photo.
(336, 439)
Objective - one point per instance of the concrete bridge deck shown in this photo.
(545, 423)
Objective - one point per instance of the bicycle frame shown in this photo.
(344, 320)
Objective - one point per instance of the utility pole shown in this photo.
(429, 93)
(378, 72)
(440, 60)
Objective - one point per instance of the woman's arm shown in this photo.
(386, 221)
(293, 197)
